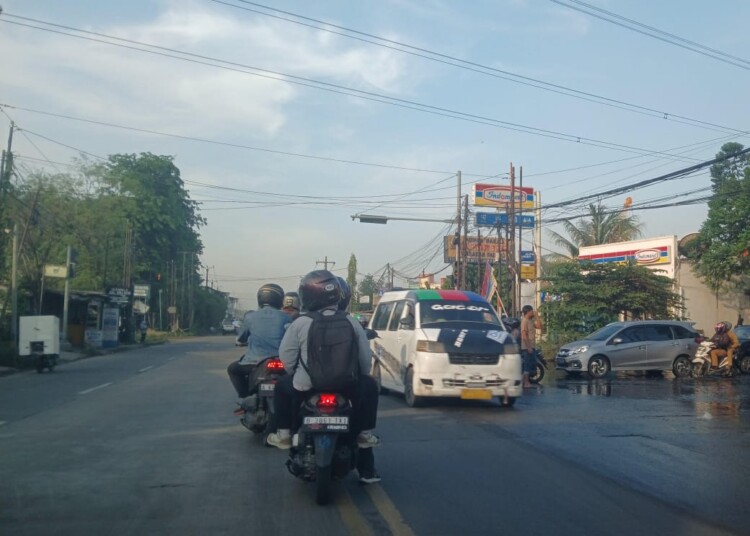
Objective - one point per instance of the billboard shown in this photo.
(655, 253)
(486, 249)
(495, 219)
(494, 195)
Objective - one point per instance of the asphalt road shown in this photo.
(144, 442)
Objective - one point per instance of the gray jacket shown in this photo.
(294, 346)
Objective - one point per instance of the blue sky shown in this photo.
(272, 225)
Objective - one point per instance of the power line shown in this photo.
(656, 33)
(336, 88)
(472, 66)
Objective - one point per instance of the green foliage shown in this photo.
(210, 309)
(724, 245)
(351, 278)
(368, 287)
(591, 295)
(603, 226)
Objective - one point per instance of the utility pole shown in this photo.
(64, 336)
(14, 286)
(512, 244)
(206, 277)
(325, 263)
(457, 273)
(7, 161)
(520, 228)
(465, 243)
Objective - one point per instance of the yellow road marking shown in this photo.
(388, 510)
(350, 515)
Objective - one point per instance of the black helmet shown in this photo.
(346, 294)
(291, 299)
(319, 289)
(270, 294)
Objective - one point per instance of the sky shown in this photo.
(291, 116)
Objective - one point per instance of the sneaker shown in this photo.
(366, 440)
(279, 441)
(369, 477)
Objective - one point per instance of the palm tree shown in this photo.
(602, 227)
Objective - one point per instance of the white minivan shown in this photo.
(443, 343)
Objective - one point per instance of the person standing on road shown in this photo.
(144, 328)
(530, 322)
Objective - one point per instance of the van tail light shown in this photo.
(274, 364)
(326, 401)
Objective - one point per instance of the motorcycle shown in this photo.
(259, 408)
(539, 367)
(324, 449)
(702, 363)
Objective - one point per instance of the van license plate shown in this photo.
(476, 394)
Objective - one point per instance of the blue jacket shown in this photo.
(266, 328)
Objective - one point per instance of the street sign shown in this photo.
(118, 295)
(528, 257)
(141, 291)
(494, 219)
(55, 270)
(171, 309)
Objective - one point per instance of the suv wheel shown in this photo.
(598, 366)
(682, 367)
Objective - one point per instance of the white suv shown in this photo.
(443, 343)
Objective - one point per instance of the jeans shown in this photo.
(239, 375)
(529, 361)
(363, 396)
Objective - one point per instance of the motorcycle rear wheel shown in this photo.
(323, 483)
(538, 374)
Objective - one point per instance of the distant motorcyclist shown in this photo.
(530, 322)
(291, 304)
(725, 343)
(263, 331)
(320, 290)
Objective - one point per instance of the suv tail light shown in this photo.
(274, 364)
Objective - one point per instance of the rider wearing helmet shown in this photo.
(264, 329)
(320, 290)
(291, 304)
(726, 344)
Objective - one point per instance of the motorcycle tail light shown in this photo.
(274, 364)
(327, 401)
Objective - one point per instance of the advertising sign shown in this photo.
(110, 322)
(656, 253)
(55, 270)
(488, 249)
(118, 295)
(495, 219)
(493, 195)
(528, 257)
(528, 271)
(141, 291)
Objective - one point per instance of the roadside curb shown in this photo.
(67, 357)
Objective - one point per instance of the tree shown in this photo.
(351, 278)
(368, 287)
(587, 296)
(724, 245)
(602, 227)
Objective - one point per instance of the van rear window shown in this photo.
(435, 312)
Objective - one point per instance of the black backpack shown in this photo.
(332, 352)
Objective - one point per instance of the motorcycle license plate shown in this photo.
(476, 394)
(325, 424)
(266, 389)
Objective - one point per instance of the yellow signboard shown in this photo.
(528, 271)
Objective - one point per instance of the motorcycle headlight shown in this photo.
(581, 349)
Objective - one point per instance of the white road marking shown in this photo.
(102, 386)
(146, 368)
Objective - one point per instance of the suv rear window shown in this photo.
(438, 311)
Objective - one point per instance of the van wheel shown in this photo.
(412, 400)
(598, 366)
(681, 367)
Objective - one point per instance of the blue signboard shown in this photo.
(527, 257)
(494, 219)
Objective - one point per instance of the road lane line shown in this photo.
(350, 515)
(388, 510)
(102, 386)
(144, 369)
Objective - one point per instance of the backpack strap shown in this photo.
(299, 354)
